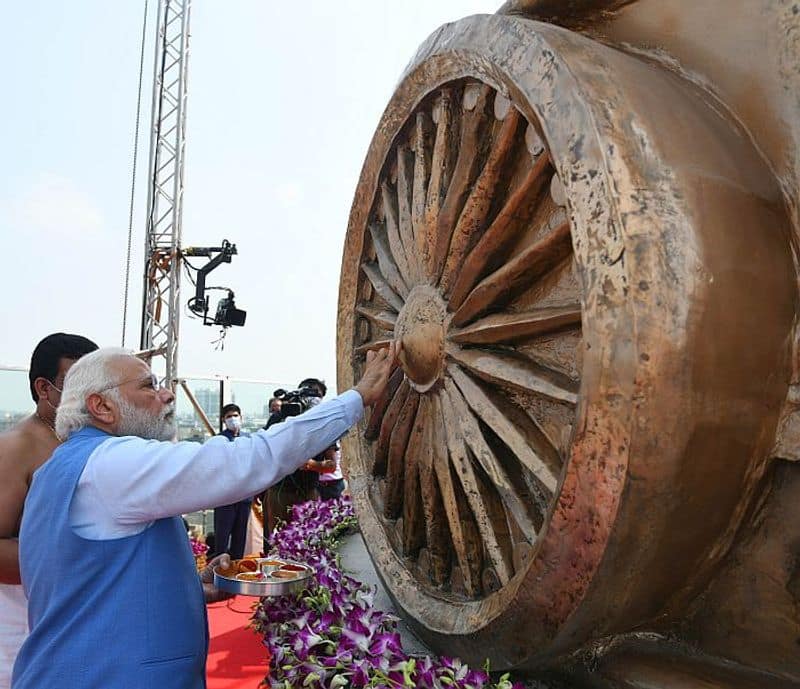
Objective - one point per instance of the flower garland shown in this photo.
(199, 550)
(198, 547)
(330, 635)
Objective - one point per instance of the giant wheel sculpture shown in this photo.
(581, 416)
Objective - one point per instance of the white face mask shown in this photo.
(60, 391)
(233, 423)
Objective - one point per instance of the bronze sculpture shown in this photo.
(581, 218)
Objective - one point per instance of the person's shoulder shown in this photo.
(134, 441)
(116, 447)
(14, 440)
(121, 443)
(25, 447)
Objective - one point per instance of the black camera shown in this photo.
(294, 402)
(228, 314)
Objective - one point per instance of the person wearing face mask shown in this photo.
(230, 521)
(23, 450)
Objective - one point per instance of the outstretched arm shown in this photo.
(137, 481)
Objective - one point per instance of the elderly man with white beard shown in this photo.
(114, 599)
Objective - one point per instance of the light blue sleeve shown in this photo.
(136, 481)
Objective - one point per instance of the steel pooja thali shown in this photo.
(263, 576)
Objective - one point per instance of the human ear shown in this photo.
(41, 386)
(101, 409)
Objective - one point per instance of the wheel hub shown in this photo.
(421, 328)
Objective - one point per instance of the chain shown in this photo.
(48, 425)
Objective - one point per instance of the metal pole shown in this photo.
(161, 298)
(198, 409)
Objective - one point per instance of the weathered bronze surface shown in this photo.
(584, 231)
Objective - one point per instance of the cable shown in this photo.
(219, 343)
(155, 159)
(189, 273)
(133, 179)
(186, 263)
(229, 605)
(190, 312)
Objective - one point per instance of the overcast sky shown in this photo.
(283, 101)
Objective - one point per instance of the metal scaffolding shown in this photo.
(161, 302)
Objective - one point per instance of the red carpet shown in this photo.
(236, 657)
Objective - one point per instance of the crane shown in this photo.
(162, 274)
(164, 255)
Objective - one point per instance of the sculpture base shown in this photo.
(659, 664)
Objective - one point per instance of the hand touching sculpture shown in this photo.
(376, 374)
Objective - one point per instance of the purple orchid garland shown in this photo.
(198, 547)
(330, 635)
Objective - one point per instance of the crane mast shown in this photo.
(161, 300)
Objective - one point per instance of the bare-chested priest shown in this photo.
(23, 450)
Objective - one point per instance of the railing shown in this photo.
(15, 397)
(210, 393)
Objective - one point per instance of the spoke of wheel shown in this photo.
(515, 216)
(373, 345)
(436, 525)
(479, 200)
(385, 320)
(439, 179)
(413, 536)
(395, 465)
(373, 273)
(516, 275)
(513, 327)
(379, 408)
(463, 175)
(419, 193)
(464, 539)
(388, 424)
(386, 262)
(393, 232)
(405, 186)
(523, 440)
(517, 371)
(494, 534)
(491, 465)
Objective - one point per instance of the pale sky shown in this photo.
(283, 100)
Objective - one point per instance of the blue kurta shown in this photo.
(127, 613)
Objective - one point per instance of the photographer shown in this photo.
(316, 387)
(301, 485)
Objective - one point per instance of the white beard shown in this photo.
(135, 421)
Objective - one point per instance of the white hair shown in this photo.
(90, 374)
